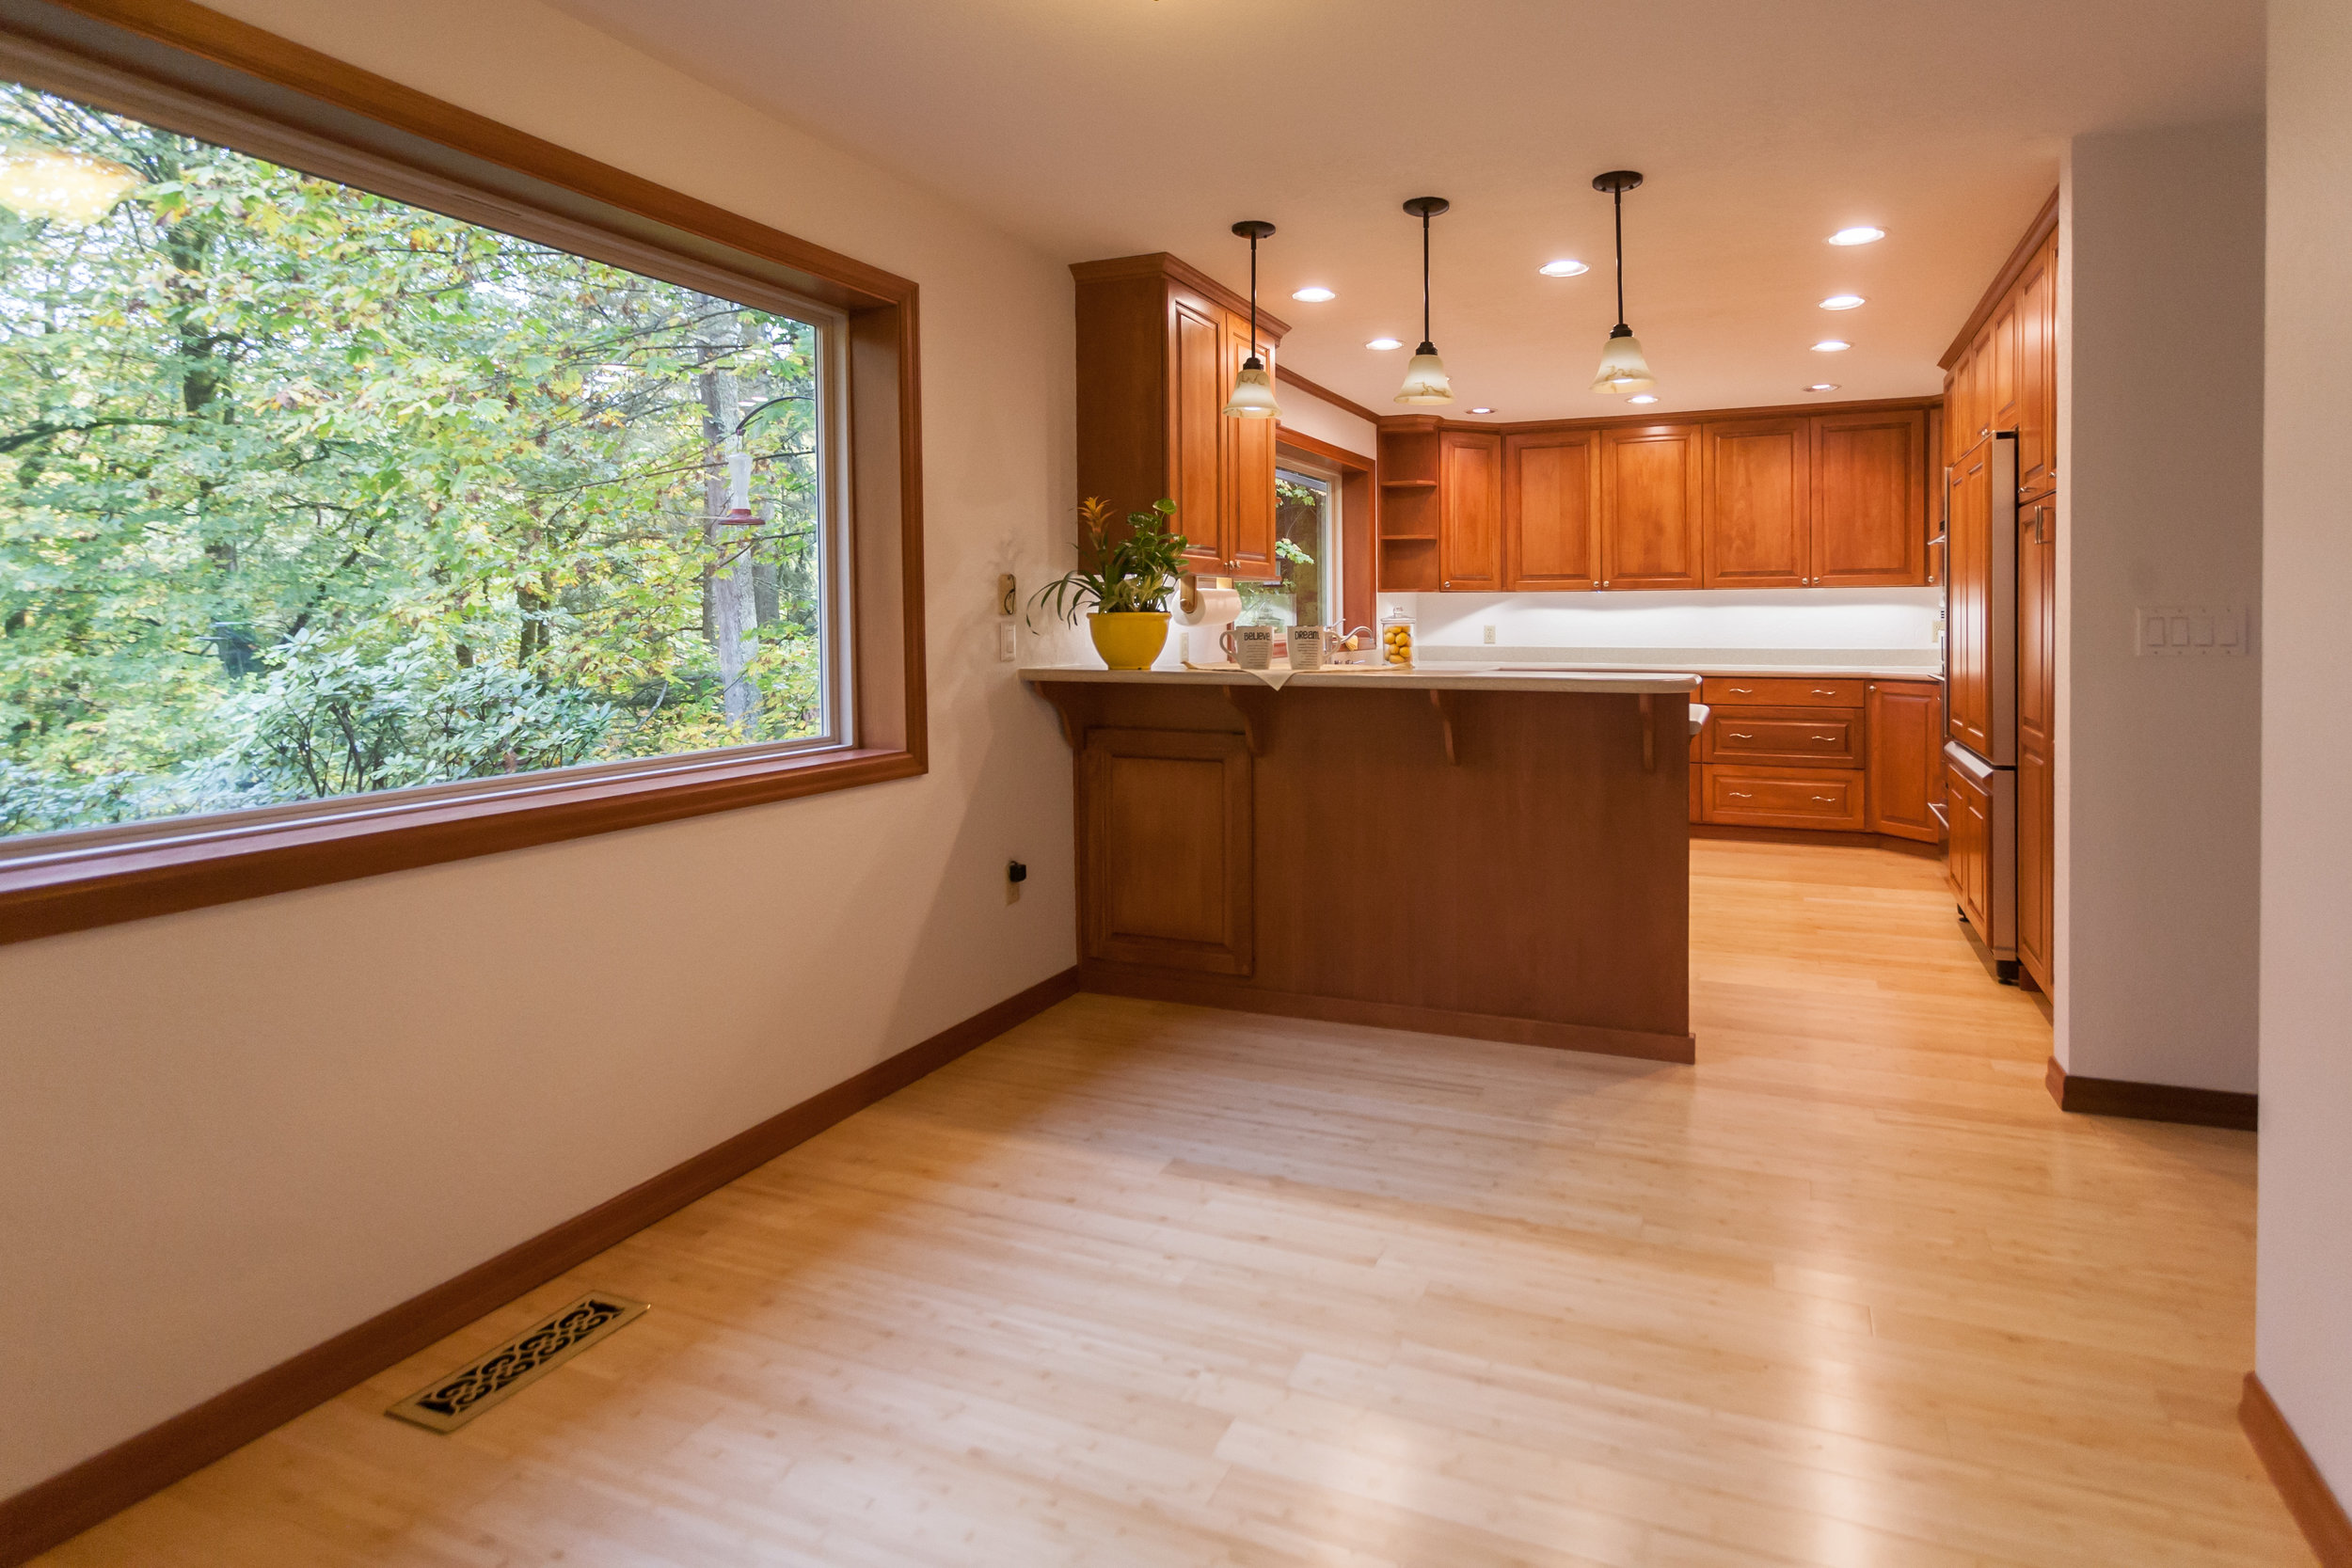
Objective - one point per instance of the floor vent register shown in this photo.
(449, 1403)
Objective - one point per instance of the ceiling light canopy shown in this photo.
(72, 188)
(1567, 266)
(1841, 301)
(1425, 378)
(1860, 235)
(1315, 295)
(1384, 344)
(1832, 345)
(1253, 388)
(1623, 367)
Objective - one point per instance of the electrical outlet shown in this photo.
(1490, 635)
(2187, 631)
(1007, 641)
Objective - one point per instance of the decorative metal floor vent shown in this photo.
(448, 1403)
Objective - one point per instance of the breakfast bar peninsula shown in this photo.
(1491, 852)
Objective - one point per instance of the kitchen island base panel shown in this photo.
(1233, 996)
(1341, 860)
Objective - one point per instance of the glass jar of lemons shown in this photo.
(1396, 636)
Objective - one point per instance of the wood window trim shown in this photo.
(1359, 505)
(199, 66)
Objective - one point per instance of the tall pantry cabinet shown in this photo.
(2005, 378)
(1159, 343)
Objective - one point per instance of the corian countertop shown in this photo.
(1861, 663)
(1451, 676)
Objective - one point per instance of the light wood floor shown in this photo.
(1144, 1285)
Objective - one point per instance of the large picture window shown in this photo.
(309, 493)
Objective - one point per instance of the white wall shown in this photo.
(2160, 458)
(1843, 619)
(1310, 415)
(2303, 1313)
(228, 1135)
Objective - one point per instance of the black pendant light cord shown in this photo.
(1425, 347)
(1620, 194)
(1254, 363)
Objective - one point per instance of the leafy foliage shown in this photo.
(306, 492)
(1133, 569)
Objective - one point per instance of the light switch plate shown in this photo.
(1007, 641)
(2188, 630)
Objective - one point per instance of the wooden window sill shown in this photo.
(168, 866)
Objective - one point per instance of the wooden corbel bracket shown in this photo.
(1069, 699)
(1255, 704)
(1449, 711)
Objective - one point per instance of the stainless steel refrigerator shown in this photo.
(1981, 691)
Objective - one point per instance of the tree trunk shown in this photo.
(729, 610)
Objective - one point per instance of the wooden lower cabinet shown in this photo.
(1164, 848)
(1787, 736)
(1968, 861)
(1818, 798)
(1906, 766)
(2037, 869)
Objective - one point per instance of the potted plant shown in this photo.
(1127, 579)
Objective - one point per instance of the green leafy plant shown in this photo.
(1134, 571)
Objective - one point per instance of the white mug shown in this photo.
(1306, 647)
(1252, 647)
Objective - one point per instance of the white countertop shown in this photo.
(1860, 663)
(1451, 676)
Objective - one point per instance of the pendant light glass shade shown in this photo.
(1425, 378)
(1253, 387)
(1623, 369)
(1253, 393)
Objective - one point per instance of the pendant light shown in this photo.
(1623, 369)
(1425, 378)
(1253, 389)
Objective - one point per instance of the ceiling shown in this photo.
(1097, 128)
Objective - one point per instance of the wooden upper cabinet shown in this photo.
(1552, 510)
(1759, 499)
(1870, 498)
(1470, 511)
(1967, 657)
(1247, 469)
(2000, 391)
(2037, 373)
(1158, 345)
(1197, 437)
(1651, 484)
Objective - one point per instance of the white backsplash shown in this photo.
(1876, 619)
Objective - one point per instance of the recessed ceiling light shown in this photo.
(1841, 301)
(1642, 397)
(1315, 295)
(1862, 234)
(1832, 345)
(1384, 343)
(1565, 267)
(1481, 410)
(1822, 386)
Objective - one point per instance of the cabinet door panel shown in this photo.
(1968, 860)
(1166, 849)
(1247, 490)
(1786, 737)
(1758, 496)
(1968, 605)
(2037, 624)
(2001, 385)
(1869, 500)
(2037, 874)
(1552, 510)
(1783, 797)
(2037, 373)
(1196, 440)
(1650, 487)
(1470, 511)
(1906, 750)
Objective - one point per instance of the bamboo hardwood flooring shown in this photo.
(1147, 1285)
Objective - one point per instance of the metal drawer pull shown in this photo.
(1824, 692)
(1742, 794)
(1741, 734)
(1824, 737)
(1741, 692)
(1826, 799)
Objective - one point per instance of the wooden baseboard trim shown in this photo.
(2120, 1097)
(1208, 991)
(71, 1501)
(1835, 837)
(2307, 1493)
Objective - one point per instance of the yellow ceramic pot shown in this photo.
(1129, 639)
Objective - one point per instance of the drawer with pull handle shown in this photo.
(1785, 797)
(1784, 691)
(1787, 736)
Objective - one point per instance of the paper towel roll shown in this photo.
(1207, 606)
